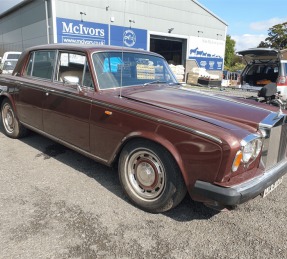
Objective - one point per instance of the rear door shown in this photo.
(30, 93)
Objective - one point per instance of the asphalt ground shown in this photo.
(56, 203)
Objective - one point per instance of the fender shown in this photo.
(5, 94)
(154, 137)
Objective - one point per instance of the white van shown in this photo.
(11, 55)
(9, 61)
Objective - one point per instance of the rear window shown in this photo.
(262, 70)
(13, 56)
(41, 64)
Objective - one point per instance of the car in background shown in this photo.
(9, 61)
(230, 79)
(8, 66)
(264, 66)
(11, 55)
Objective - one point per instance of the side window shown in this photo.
(41, 64)
(71, 68)
(87, 80)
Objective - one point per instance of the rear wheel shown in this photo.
(150, 176)
(12, 127)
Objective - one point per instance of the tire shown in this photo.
(150, 177)
(12, 127)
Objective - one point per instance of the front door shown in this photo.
(66, 109)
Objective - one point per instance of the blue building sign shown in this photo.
(82, 32)
(74, 31)
(128, 37)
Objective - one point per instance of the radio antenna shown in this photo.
(122, 65)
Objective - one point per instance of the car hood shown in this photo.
(225, 112)
(259, 54)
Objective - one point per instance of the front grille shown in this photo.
(274, 148)
(283, 143)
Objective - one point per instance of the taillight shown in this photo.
(282, 80)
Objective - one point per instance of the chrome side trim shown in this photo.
(62, 142)
(166, 122)
(68, 93)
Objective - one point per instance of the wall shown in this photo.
(187, 18)
(24, 28)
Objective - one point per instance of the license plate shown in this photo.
(271, 187)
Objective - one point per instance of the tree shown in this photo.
(229, 51)
(277, 37)
(264, 44)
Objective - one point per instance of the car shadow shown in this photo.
(187, 210)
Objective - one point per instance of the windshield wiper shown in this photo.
(174, 84)
(155, 82)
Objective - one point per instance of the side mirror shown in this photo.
(71, 80)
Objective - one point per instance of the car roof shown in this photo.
(88, 48)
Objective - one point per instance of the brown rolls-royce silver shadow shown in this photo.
(124, 106)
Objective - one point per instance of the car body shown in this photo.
(124, 106)
(264, 65)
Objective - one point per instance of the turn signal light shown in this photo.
(237, 160)
(108, 113)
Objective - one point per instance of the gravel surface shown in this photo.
(55, 203)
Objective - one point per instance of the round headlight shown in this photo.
(248, 151)
(258, 146)
(251, 150)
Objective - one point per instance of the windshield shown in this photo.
(9, 65)
(116, 69)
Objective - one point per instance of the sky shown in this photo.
(6, 4)
(248, 20)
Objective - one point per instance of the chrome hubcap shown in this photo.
(146, 175)
(8, 118)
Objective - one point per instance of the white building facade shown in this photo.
(183, 31)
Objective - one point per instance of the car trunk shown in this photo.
(261, 69)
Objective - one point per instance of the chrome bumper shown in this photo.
(242, 192)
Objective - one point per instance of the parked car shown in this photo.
(264, 66)
(231, 79)
(124, 106)
(8, 66)
(9, 61)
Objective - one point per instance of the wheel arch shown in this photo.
(155, 138)
(4, 96)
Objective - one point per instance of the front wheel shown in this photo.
(12, 127)
(150, 176)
